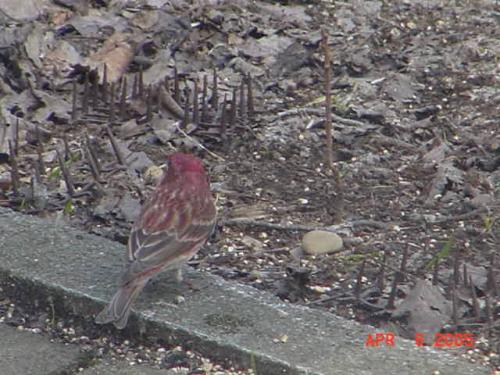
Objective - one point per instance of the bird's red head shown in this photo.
(181, 163)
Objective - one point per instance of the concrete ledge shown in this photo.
(46, 262)
(27, 353)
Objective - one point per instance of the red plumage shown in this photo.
(173, 225)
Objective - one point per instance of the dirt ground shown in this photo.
(415, 96)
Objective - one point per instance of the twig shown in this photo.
(198, 143)
(328, 101)
(361, 302)
(115, 146)
(169, 103)
(304, 228)
(446, 219)
(66, 175)
(319, 112)
(394, 142)
(264, 224)
(468, 215)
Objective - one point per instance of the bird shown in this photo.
(174, 223)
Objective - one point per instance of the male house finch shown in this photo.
(172, 226)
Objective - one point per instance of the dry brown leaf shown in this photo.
(60, 17)
(116, 53)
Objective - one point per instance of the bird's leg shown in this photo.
(180, 279)
(152, 282)
(168, 278)
(178, 275)
(163, 277)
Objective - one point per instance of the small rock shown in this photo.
(180, 300)
(153, 174)
(255, 275)
(28, 10)
(482, 200)
(321, 242)
(252, 243)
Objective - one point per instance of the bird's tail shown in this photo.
(118, 310)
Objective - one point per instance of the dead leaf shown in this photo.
(446, 175)
(436, 155)
(424, 310)
(116, 54)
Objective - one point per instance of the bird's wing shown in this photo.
(178, 240)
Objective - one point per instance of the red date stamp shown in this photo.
(380, 338)
(439, 340)
(448, 340)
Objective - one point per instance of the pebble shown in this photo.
(321, 242)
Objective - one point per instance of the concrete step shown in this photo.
(28, 353)
(240, 325)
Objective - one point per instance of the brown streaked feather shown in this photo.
(169, 232)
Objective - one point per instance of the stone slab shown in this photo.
(222, 320)
(121, 368)
(28, 353)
